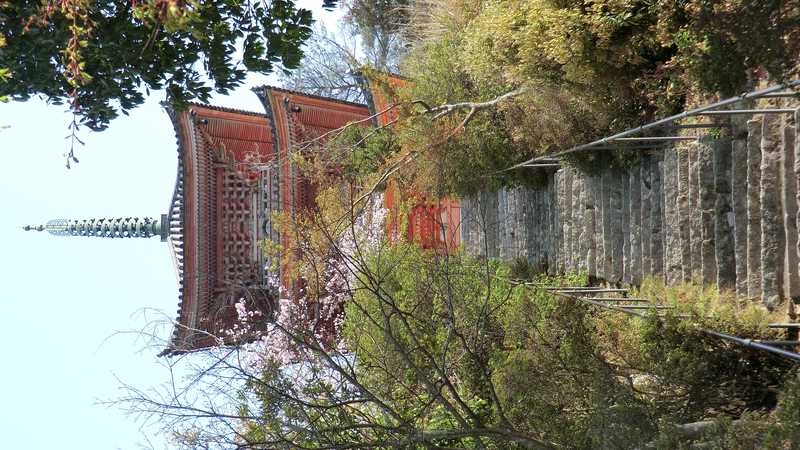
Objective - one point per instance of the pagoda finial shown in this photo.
(128, 227)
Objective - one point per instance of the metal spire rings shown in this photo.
(129, 227)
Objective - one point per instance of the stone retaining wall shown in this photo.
(721, 210)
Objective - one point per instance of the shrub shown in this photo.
(592, 68)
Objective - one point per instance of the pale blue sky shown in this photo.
(64, 298)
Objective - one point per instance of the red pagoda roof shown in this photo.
(234, 170)
(215, 145)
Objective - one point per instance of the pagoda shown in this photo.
(235, 171)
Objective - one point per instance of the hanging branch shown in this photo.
(81, 28)
(440, 111)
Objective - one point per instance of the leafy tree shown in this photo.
(582, 70)
(328, 67)
(381, 24)
(392, 346)
(4, 72)
(98, 55)
(334, 60)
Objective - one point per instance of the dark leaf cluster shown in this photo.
(126, 55)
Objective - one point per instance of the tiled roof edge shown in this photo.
(261, 88)
(226, 109)
(174, 118)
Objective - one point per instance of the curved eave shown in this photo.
(239, 112)
(177, 237)
(200, 128)
(262, 90)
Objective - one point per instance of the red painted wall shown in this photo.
(433, 223)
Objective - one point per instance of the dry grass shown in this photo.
(717, 309)
(431, 19)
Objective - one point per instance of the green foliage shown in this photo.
(171, 45)
(609, 368)
(778, 429)
(702, 376)
(555, 378)
(718, 43)
(380, 24)
(359, 152)
(563, 370)
(786, 429)
(699, 375)
(377, 17)
(5, 73)
(445, 351)
(715, 309)
(592, 68)
(467, 161)
(426, 285)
